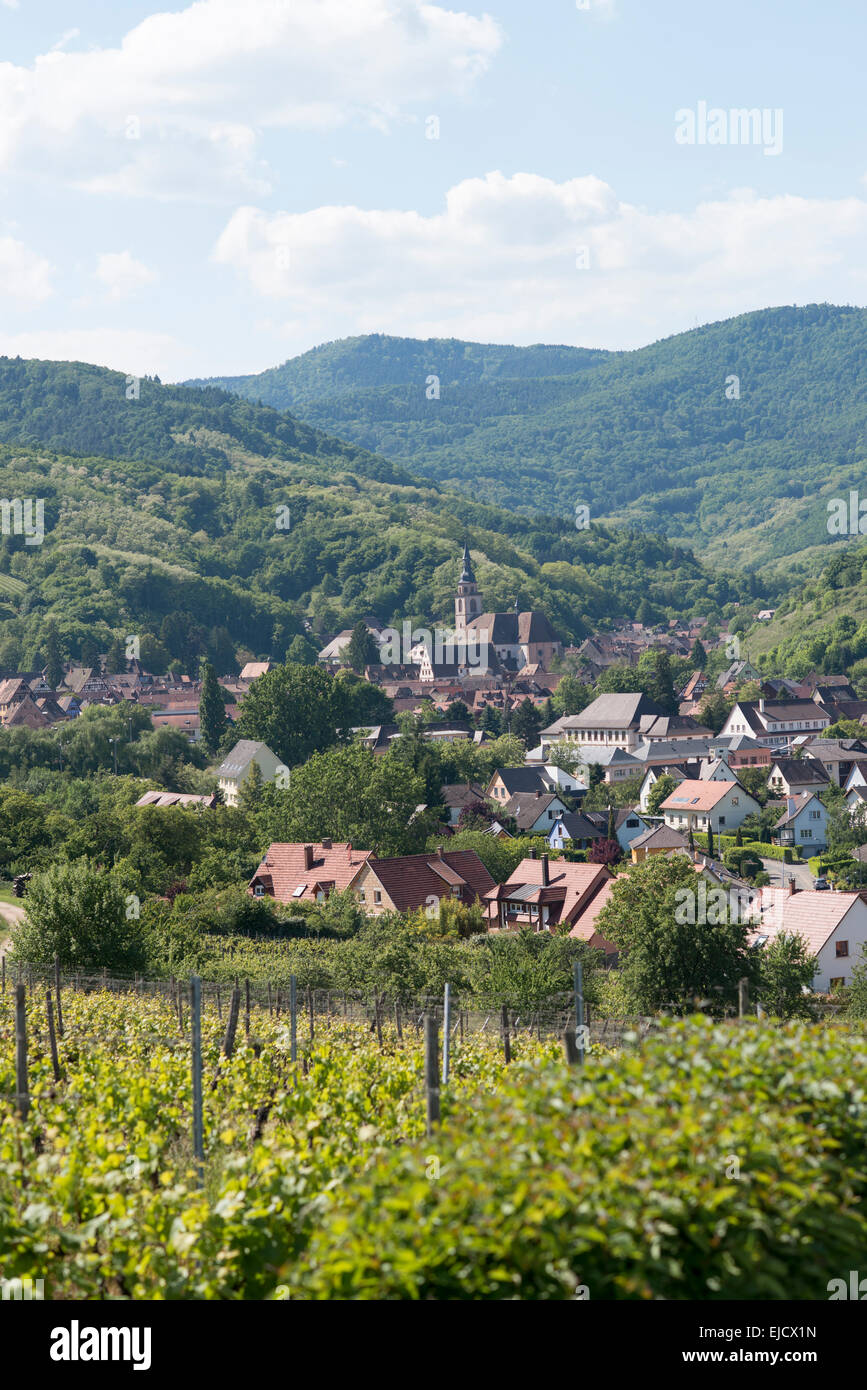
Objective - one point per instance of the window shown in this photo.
(806, 834)
(837, 981)
(377, 896)
(815, 815)
(735, 801)
(361, 897)
(722, 820)
(259, 892)
(842, 948)
(631, 823)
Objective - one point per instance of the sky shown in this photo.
(211, 188)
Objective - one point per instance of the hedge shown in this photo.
(786, 854)
(712, 1162)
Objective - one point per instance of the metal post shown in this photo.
(431, 1049)
(22, 1093)
(447, 1016)
(579, 1010)
(196, 1031)
(293, 1010)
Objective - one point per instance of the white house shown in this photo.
(720, 806)
(235, 768)
(804, 823)
(774, 723)
(794, 775)
(833, 925)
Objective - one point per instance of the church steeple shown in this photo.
(468, 602)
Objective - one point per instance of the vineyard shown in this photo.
(703, 1160)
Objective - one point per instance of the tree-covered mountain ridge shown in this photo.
(730, 437)
(214, 524)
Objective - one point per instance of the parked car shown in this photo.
(820, 884)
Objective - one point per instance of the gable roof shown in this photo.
(701, 796)
(519, 779)
(616, 712)
(660, 837)
(569, 890)
(801, 770)
(795, 805)
(236, 763)
(285, 874)
(811, 915)
(411, 879)
(526, 809)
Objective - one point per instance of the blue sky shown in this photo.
(215, 187)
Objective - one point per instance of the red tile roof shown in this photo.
(814, 916)
(575, 885)
(414, 878)
(283, 870)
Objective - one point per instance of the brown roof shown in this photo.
(284, 870)
(414, 878)
(570, 889)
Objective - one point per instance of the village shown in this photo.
(768, 807)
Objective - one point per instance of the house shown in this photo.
(610, 721)
(12, 692)
(804, 823)
(837, 755)
(573, 830)
(236, 767)
(514, 639)
(254, 669)
(737, 674)
(507, 782)
(793, 775)
(332, 654)
(616, 765)
(577, 831)
(534, 813)
(651, 777)
(184, 718)
(185, 799)
(26, 714)
(661, 839)
(775, 724)
(541, 896)
(458, 795)
(719, 806)
(833, 925)
(420, 880)
(309, 873)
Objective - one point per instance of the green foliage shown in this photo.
(787, 969)
(668, 962)
(212, 710)
(83, 916)
(659, 792)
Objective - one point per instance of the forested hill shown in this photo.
(649, 437)
(202, 522)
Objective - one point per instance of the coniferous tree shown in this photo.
(53, 658)
(212, 710)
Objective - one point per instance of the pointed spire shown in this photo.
(467, 576)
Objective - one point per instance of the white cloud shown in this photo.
(127, 350)
(122, 275)
(24, 274)
(149, 117)
(500, 262)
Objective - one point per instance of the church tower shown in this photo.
(468, 603)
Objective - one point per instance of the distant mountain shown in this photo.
(209, 523)
(731, 437)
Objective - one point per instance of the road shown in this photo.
(10, 913)
(799, 872)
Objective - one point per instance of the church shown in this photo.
(513, 640)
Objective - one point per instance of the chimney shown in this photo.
(762, 705)
(308, 856)
(533, 852)
(545, 870)
(439, 851)
(791, 887)
(326, 844)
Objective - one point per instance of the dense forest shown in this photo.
(208, 524)
(731, 437)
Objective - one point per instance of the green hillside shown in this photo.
(821, 627)
(646, 437)
(202, 522)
